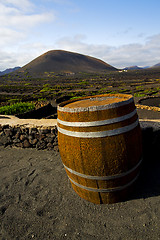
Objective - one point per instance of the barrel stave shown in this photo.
(107, 156)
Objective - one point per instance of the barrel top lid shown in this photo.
(94, 103)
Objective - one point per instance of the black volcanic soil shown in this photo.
(154, 102)
(37, 200)
(148, 114)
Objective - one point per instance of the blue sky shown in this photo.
(120, 32)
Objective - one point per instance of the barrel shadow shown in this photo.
(42, 112)
(148, 184)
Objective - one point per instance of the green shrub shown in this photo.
(13, 101)
(77, 97)
(139, 94)
(83, 83)
(46, 89)
(17, 108)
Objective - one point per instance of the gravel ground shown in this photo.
(37, 200)
(148, 114)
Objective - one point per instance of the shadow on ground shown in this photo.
(47, 111)
(148, 184)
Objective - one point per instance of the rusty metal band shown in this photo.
(97, 123)
(108, 190)
(103, 178)
(96, 108)
(99, 134)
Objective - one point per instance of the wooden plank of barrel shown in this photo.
(100, 145)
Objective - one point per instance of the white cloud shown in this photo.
(21, 21)
(18, 21)
(124, 55)
(18, 18)
(24, 5)
(7, 60)
(13, 16)
(78, 44)
(9, 36)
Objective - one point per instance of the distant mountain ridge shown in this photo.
(132, 68)
(9, 70)
(156, 65)
(139, 68)
(60, 61)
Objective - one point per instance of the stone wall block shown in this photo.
(19, 130)
(50, 146)
(19, 145)
(44, 130)
(17, 135)
(29, 137)
(54, 130)
(14, 131)
(26, 143)
(40, 136)
(2, 134)
(33, 141)
(4, 140)
(50, 135)
(22, 137)
(41, 145)
(33, 130)
(49, 139)
(25, 130)
(8, 131)
(16, 140)
(55, 143)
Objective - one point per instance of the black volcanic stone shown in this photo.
(3, 140)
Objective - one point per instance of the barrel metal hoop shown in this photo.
(103, 178)
(97, 123)
(101, 190)
(99, 134)
(96, 108)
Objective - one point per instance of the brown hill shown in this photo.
(60, 61)
(156, 66)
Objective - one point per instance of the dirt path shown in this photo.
(37, 201)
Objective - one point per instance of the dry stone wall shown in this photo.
(29, 137)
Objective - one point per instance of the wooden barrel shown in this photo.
(99, 141)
